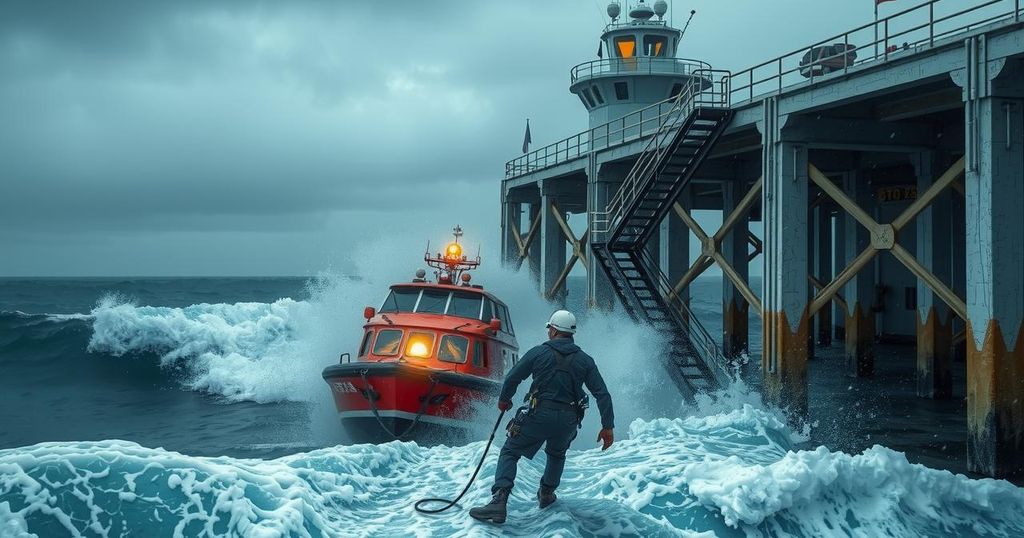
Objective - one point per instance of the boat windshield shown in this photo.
(462, 304)
(401, 300)
(465, 305)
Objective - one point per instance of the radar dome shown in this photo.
(660, 8)
(614, 10)
(641, 11)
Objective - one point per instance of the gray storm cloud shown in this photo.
(269, 137)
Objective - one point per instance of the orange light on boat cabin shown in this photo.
(420, 345)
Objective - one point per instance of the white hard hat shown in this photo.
(563, 321)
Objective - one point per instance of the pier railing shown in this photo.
(905, 32)
(632, 126)
(638, 65)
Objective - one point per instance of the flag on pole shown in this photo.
(526, 137)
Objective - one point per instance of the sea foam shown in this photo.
(731, 474)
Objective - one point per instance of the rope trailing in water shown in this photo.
(419, 504)
(372, 396)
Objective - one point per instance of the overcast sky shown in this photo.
(277, 138)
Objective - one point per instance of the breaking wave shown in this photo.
(729, 474)
(242, 351)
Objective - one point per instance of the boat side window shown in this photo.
(365, 346)
(388, 343)
(488, 312)
(506, 321)
(479, 357)
(453, 349)
(433, 302)
(465, 305)
(400, 300)
(507, 357)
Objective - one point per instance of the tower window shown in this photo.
(587, 98)
(655, 45)
(584, 101)
(625, 46)
(676, 88)
(597, 95)
(621, 91)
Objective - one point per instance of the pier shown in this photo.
(885, 165)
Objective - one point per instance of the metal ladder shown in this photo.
(700, 114)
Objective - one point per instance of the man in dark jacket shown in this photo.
(559, 369)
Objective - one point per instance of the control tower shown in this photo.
(639, 67)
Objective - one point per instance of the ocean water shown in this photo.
(195, 407)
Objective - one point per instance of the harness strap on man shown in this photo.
(563, 363)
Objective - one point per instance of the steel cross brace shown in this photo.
(884, 237)
(524, 244)
(579, 247)
(711, 246)
(757, 244)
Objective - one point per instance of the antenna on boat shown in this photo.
(687, 25)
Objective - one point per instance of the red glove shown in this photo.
(607, 437)
(504, 406)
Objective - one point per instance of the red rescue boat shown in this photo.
(430, 352)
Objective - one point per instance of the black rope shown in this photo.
(453, 502)
(372, 396)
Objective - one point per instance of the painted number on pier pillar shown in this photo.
(896, 193)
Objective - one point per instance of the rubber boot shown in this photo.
(495, 511)
(545, 497)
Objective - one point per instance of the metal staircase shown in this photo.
(634, 214)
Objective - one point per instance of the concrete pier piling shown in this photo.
(888, 191)
(786, 324)
(995, 270)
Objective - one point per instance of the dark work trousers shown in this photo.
(549, 424)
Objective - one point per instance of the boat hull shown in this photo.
(380, 401)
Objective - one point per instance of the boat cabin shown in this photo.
(455, 328)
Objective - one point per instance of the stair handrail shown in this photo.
(649, 155)
(706, 88)
(698, 335)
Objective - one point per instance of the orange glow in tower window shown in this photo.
(626, 46)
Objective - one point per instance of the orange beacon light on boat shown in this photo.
(450, 264)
